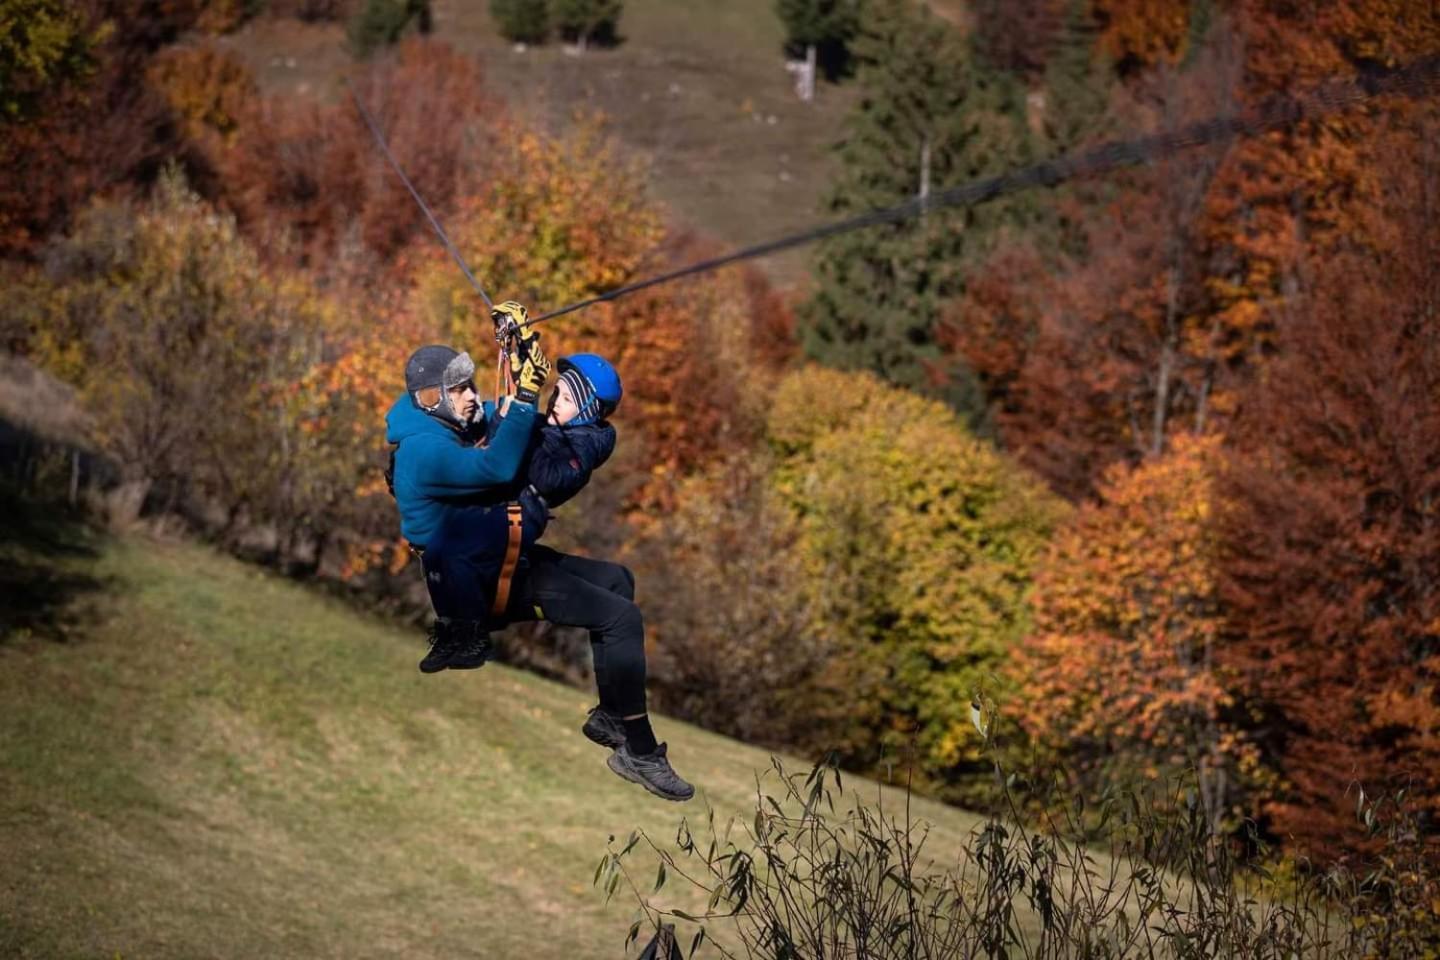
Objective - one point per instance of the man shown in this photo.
(458, 509)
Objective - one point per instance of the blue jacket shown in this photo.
(438, 469)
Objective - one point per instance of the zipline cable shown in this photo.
(1417, 79)
(395, 164)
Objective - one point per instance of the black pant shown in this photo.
(599, 596)
(462, 565)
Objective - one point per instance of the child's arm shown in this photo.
(566, 457)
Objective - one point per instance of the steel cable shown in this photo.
(395, 165)
(1417, 79)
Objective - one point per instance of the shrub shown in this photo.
(521, 21)
(182, 349)
(799, 880)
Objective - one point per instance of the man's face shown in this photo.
(563, 409)
(464, 401)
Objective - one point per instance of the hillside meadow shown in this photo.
(199, 758)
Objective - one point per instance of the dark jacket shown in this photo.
(560, 462)
(437, 469)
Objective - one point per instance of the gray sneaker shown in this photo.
(604, 727)
(652, 771)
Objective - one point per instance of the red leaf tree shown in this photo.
(1332, 576)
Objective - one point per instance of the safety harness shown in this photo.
(514, 520)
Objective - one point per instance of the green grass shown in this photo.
(212, 761)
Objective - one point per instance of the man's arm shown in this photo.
(445, 468)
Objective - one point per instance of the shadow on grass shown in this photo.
(44, 553)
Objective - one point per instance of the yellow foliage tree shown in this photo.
(915, 543)
(182, 348)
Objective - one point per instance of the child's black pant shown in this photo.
(599, 596)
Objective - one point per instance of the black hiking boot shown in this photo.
(652, 771)
(456, 645)
(604, 727)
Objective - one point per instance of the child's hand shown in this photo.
(528, 368)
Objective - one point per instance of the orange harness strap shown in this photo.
(512, 559)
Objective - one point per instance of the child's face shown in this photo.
(564, 408)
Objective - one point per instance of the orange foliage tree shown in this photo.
(1121, 677)
(1332, 574)
(93, 131)
(567, 219)
(1284, 197)
(309, 172)
(1142, 33)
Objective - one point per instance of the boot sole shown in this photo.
(466, 666)
(602, 738)
(616, 764)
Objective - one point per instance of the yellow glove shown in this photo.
(528, 364)
(528, 368)
(510, 320)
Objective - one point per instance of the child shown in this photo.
(574, 441)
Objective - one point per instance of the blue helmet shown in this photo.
(594, 384)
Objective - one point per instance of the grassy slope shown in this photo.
(216, 762)
(694, 87)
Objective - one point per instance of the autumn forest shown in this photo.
(1144, 468)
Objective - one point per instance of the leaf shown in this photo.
(977, 719)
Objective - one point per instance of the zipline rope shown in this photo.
(395, 164)
(1418, 79)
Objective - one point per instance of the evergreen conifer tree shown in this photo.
(380, 23)
(583, 22)
(521, 21)
(929, 119)
(827, 25)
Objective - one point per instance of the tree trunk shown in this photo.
(924, 176)
(805, 84)
(124, 503)
(1167, 364)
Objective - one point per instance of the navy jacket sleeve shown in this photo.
(445, 468)
(566, 456)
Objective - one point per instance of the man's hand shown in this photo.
(511, 323)
(528, 364)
